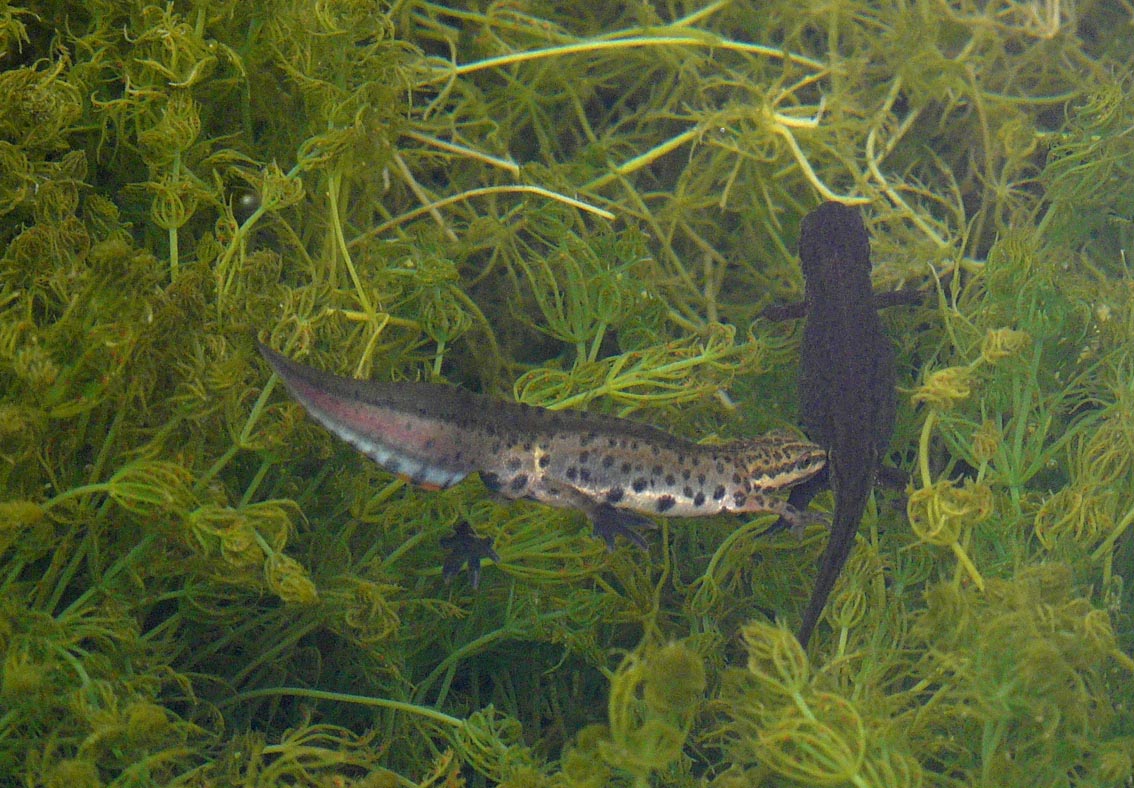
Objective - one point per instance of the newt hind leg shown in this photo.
(609, 523)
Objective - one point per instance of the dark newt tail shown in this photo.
(850, 502)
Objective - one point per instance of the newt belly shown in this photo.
(614, 470)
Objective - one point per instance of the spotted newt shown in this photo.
(846, 381)
(614, 470)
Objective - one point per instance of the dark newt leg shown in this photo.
(778, 313)
(609, 523)
(465, 549)
(793, 517)
(802, 494)
(800, 498)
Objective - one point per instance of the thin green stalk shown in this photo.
(343, 697)
(701, 39)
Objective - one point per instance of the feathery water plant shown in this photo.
(583, 207)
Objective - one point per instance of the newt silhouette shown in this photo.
(847, 389)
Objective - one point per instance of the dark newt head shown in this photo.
(833, 244)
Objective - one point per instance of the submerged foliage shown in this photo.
(578, 205)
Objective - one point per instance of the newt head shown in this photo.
(780, 459)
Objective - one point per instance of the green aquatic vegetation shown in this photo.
(1005, 672)
(1089, 174)
(1019, 671)
(782, 718)
(582, 206)
(655, 694)
(647, 734)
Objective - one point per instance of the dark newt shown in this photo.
(847, 393)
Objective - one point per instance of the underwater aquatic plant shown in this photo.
(589, 206)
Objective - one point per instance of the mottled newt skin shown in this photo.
(846, 380)
(612, 469)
